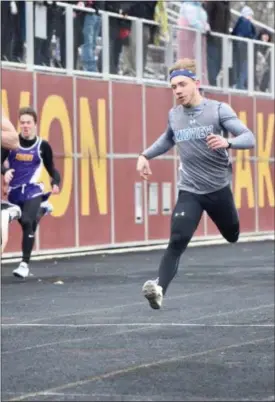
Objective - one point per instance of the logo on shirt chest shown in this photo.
(193, 133)
(24, 157)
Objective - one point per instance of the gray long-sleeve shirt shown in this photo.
(202, 170)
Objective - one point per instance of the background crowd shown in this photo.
(207, 17)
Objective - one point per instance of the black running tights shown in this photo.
(185, 219)
(28, 222)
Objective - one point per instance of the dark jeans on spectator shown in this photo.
(240, 64)
(214, 58)
(91, 29)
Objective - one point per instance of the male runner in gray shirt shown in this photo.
(195, 126)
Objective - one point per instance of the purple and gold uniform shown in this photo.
(22, 169)
(27, 164)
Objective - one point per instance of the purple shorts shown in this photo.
(21, 194)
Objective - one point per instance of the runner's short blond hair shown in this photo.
(184, 64)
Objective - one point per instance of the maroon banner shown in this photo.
(94, 189)
(161, 186)
(218, 97)
(128, 212)
(266, 216)
(56, 118)
(265, 163)
(158, 102)
(244, 183)
(97, 129)
(127, 118)
(17, 92)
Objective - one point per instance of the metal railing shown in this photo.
(173, 11)
(240, 65)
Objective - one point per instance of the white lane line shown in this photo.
(138, 367)
(122, 306)
(136, 324)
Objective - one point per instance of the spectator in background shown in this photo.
(78, 24)
(12, 30)
(219, 20)
(6, 30)
(244, 28)
(43, 18)
(193, 15)
(161, 18)
(91, 30)
(143, 10)
(161, 35)
(60, 33)
(262, 55)
(119, 29)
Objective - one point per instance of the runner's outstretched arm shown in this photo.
(9, 136)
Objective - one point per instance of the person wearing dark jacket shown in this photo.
(218, 13)
(244, 28)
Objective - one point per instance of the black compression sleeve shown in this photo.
(4, 155)
(47, 156)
